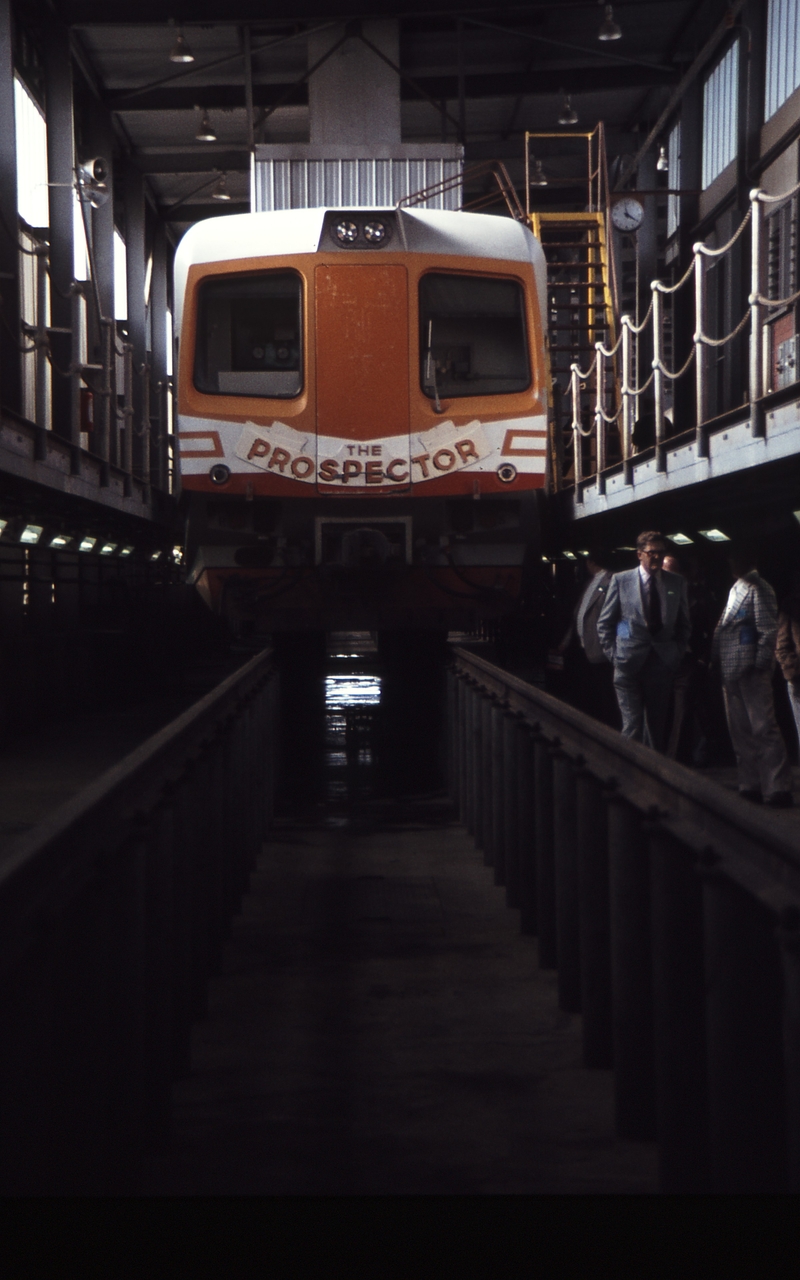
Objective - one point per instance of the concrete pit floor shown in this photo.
(381, 1027)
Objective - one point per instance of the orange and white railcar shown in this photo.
(361, 413)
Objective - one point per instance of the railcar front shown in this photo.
(362, 415)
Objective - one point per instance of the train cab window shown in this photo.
(249, 336)
(472, 336)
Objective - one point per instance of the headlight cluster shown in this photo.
(371, 233)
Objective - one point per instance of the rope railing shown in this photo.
(652, 335)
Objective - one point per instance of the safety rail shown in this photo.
(113, 912)
(670, 908)
(652, 334)
(103, 419)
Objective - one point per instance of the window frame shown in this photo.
(440, 270)
(217, 278)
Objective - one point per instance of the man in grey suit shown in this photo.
(644, 630)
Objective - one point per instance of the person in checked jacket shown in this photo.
(744, 646)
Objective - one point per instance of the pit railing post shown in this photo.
(593, 908)
(565, 843)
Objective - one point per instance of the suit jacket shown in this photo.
(622, 626)
(594, 605)
(747, 631)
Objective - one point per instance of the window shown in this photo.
(720, 116)
(783, 53)
(674, 175)
(249, 336)
(31, 137)
(472, 336)
(120, 277)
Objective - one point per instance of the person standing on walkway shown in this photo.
(788, 649)
(592, 671)
(644, 630)
(744, 646)
(690, 715)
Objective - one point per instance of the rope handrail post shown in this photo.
(577, 448)
(699, 354)
(658, 379)
(627, 402)
(756, 372)
(599, 424)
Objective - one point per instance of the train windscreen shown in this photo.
(249, 336)
(472, 336)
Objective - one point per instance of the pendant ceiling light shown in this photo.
(568, 113)
(206, 133)
(609, 29)
(180, 51)
(539, 178)
(662, 164)
(221, 191)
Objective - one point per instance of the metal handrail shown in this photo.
(671, 909)
(120, 901)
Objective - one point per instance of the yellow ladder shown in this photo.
(580, 311)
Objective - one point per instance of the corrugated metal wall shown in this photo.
(309, 183)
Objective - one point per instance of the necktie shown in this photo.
(653, 608)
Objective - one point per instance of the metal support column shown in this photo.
(526, 801)
(631, 972)
(545, 861)
(485, 841)
(10, 357)
(510, 784)
(158, 308)
(61, 167)
(746, 1084)
(136, 268)
(565, 842)
(498, 795)
(678, 1016)
(593, 910)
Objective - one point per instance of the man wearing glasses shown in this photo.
(644, 631)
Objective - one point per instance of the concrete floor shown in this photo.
(381, 1027)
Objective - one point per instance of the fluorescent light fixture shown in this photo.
(680, 539)
(108, 548)
(31, 533)
(570, 555)
(3, 524)
(86, 544)
(583, 553)
(177, 554)
(714, 535)
(626, 548)
(60, 540)
(155, 555)
(126, 551)
(545, 559)
(796, 515)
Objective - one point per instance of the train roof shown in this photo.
(288, 231)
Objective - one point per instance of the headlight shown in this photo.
(375, 232)
(345, 231)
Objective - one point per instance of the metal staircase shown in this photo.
(580, 309)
